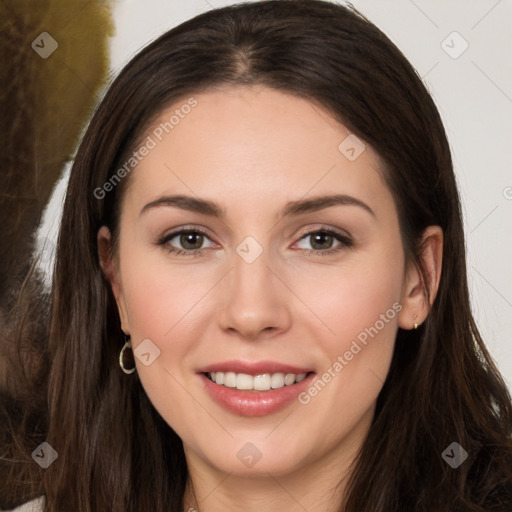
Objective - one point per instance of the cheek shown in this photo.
(157, 296)
(354, 296)
(359, 303)
(162, 304)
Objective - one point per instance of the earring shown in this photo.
(416, 325)
(127, 344)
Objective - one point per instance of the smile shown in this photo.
(263, 382)
(254, 388)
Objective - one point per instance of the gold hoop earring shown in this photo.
(415, 324)
(127, 344)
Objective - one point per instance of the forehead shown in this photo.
(254, 143)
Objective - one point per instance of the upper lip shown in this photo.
(253, 368)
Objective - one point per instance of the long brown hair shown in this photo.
(115, 451)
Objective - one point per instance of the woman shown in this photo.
(260, 296)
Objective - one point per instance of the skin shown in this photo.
(252, 150)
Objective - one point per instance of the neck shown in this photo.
(315, 485)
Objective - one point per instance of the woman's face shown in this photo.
(293, 264)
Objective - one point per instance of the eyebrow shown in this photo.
(213, 209)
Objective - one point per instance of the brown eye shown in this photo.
(321, 241)
(191, 240)
(186, 242)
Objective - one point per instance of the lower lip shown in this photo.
(254, 403)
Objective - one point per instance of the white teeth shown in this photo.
(244, 381)
(263, 382)
(277, 380)
(289, 379)
(230, 380)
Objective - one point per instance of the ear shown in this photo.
(110, 269)
(415, 306)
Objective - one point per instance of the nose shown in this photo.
(255, 302)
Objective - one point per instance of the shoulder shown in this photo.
(36, 505)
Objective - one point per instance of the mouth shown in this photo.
(262, 382)
(255, 389)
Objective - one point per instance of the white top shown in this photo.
(36, 505)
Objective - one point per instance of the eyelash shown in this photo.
(345, 242)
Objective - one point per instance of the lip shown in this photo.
(254, 403)
(255, 368)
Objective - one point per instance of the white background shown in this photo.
(474, 96)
